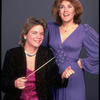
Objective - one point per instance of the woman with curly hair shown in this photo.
(66, 37)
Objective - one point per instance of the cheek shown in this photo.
(42, 37)
(60, 12)
(73, 12)
(32, 37)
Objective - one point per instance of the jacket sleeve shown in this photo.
(7, 74)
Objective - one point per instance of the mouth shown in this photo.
(65, 15)
(38, 41)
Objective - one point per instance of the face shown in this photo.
(66, 11)
(35, 36)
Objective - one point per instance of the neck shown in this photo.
(30, 50)
(30, 55)
(67, 26)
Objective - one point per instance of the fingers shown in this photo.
(79, 63)
(20, 83)
(68, 72)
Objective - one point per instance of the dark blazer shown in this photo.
(15, 66)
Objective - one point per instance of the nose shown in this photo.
(38, 35)
(65, 9)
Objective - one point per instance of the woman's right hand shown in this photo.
(67, 73)
(20, 83)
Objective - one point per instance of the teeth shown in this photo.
(37, 41)
(66, 14)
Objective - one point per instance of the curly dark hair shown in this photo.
(30, 22)
(78, 11)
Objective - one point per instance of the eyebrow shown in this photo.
(37, 31)
(67, 5)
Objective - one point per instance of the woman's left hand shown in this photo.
(79, 63)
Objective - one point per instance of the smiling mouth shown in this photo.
(38, 41)
(65, 15)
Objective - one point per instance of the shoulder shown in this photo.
(15, 51)
(45, 51)
(86, 27)
(89, 30)
(50, 24)
(89, 33)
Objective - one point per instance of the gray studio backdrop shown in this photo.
(15, 13)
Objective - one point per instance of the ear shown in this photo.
(59, 13)
(74, 12)
(24, 37)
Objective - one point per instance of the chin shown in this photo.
(36, 46)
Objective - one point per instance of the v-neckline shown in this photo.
(30, 70)
(67, 37)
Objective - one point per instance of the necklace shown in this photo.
(72, 27)
(64, 29)
(30, 55)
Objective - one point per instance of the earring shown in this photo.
(24, 38)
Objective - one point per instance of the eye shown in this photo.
(42, 33)
(33, 32)
(70, 6)
(62, 6)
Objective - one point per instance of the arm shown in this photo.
(9, 74)
(91, 46)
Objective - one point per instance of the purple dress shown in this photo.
(68, 53)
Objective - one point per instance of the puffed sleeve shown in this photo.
(91, 46)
